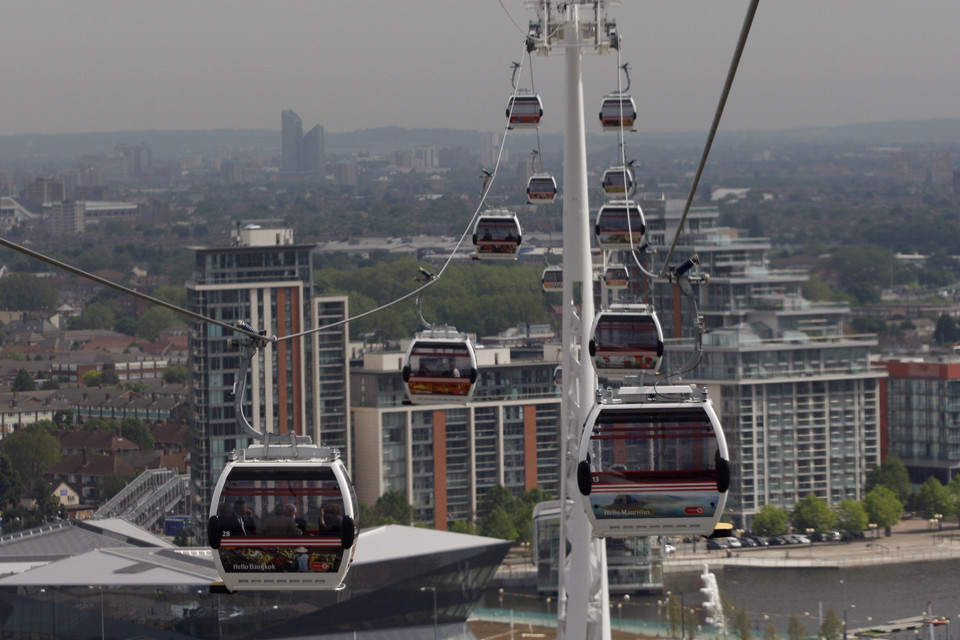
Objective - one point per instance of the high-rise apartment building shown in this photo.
(302, 154)
(294, 385)
(444, 457)
(797, 397)
(922, 403)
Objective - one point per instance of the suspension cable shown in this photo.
(132, 292)
(731, 73)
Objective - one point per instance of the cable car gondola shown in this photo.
(616, 111)
(259, 542)
(620, 225)
(626, 339)
(524, 111)
(654, 461)
(616, 277)
(541, 189)
(552, 278)
(618, 181)
(440, 366)
(497, 235)
(283, 517)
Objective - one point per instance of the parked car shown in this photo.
(734, 543)
(748, 541)
(776, 541)
(717, 543)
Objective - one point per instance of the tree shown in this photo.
(91, 378)
(741, 624)
(154, 320)
(954, 488)
(134, 430)
(674, 613)
(891, 474)
(392, 508)
(11, 486)
(498, 496)
(31, 450)
(812, 513)
(933, 498)
(852, 516)
(109, 377)
(497, 524)
(832, 627)
(95, 315)
(795, 629)
(771, 520)
(25, 292)
(882, 507)
(176, 374)
(770, 632)
(946, 331)
(463, 526)
(23, 382)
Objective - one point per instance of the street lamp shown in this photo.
(845, 609)
(548, 605)
(434, 590)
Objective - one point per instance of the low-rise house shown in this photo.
(85, 471)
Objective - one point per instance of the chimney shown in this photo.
(84, 459)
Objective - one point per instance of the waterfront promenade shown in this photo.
(910, 541)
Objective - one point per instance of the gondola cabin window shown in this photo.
(617, 111)
(283, 519)
(626, 341)
(654, 468)
(524, 111)
(620, 226)
(497, 236)
(440, 369)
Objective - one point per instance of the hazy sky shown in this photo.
(109, 65)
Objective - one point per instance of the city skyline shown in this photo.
(111, 66)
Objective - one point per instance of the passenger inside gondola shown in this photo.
(331, 521)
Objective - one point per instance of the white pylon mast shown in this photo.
(583, 610)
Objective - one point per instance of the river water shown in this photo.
(881, 593)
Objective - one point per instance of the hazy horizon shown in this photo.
(107, 65)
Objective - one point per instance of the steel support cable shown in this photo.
(119, 287)
(731, 73)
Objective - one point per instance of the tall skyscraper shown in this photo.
(302, 154)
(292, 131)
(311, 152)
(294, 385)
